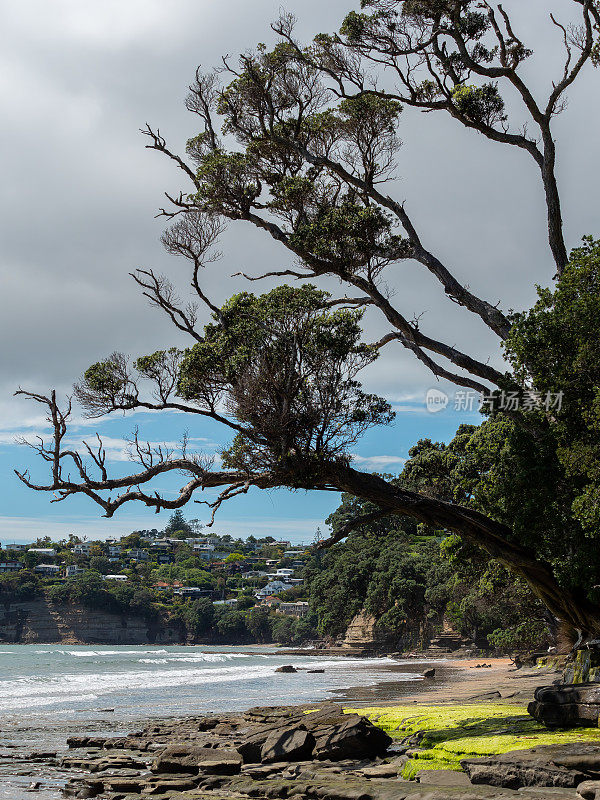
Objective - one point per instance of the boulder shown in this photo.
(429, 673)
(589, 790)
(286, 668)
(567, 705)
(191, 759)
(291, 744)
(352, 737)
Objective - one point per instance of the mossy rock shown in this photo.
(452, 732)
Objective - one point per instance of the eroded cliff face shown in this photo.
(41, 622)
(362, 633)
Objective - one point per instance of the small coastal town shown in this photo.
(166, 567)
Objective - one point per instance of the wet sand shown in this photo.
(455, 680)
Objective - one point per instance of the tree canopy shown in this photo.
(301, 141)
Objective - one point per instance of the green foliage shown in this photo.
(556, 347)
(230, 623)
(199, 617)
(233, 558)
(409, 579)
(288, 366)
(177, 526)
(100, 564)
(479, 103)
(19, 586)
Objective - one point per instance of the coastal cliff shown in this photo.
(39, 621)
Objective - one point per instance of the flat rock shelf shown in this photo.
(318, 752)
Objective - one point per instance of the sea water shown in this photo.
(48, 692)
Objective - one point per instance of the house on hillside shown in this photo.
(273, 587)
(270, 601)
(49, 570)
(10, 566)
(137, 554)
(83, 548)
(193, 591)
(73, 570)
(297, 609)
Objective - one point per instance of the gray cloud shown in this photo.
(79, 190)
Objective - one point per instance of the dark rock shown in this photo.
(354, 737)
(293, 744)
(567, 705)
(429, 673)
(535, 767)
(485, 697)
(286, 668)
(315, 670)
(190, 759)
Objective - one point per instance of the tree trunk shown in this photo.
(570, 606)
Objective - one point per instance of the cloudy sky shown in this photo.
(79, 192)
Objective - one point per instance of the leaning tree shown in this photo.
(301, 142)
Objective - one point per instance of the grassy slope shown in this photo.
(454, 731)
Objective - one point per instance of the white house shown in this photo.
(192, 591)
(204, 551)
(83, 548)
(273, 587)
(17, 546)
(43, 551)
(120, 578)
(231, 602)
(72, 570)
(48, 569)
(282, 575)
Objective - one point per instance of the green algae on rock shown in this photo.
(450, 732)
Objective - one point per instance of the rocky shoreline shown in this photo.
(327, 751)
(306, 752)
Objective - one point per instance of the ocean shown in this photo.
(48, 692)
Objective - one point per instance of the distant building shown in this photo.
(10, 566)
(284, 573)
(120, 578)
(83, 548)
(48, 569)
(43, 551)
(231, 602)
(137, 554)
(204, 551)
(161, 544)
(73, 570)
(193, 591)
(273, 587)
(270, 601)
(114, 550)
(17, 546)
(297, 609)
